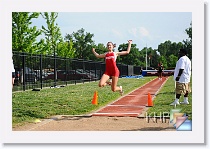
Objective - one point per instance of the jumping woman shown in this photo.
(111, 70)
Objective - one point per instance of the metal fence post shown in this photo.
(55, 74)
(23, 74)
(40, 71)
(66, 70)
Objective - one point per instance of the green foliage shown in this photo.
(79, 44)
(188, 42)
(23, 35)
(52, 33)
(172, 61)
(163, 60)
(100, 49)
(132, 58)
(82, 43)
(65, 49)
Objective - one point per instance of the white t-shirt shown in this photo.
(183, 63)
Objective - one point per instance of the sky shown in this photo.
(146, 29)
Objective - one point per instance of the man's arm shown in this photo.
(179, 74)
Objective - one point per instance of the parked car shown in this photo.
(30, 75)
(91, 73)
(38, 76)
(69, 75)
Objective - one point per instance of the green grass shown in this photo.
(70, 100)
(76, 100)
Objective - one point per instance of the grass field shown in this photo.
(76, 100)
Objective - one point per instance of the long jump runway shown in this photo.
(134, 103)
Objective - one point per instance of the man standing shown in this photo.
(160, 71)
(182, 76)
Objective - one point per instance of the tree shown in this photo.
(154, 58)
(82, 43)
(188, 42)
(151, 57)
(172, 61)
(23, 35)
(52, 33)
(167, 49)
(100, 48)
(164, 48)
(65, 49)
(163, 60)
(132, 58)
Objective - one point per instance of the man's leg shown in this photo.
(178, 90)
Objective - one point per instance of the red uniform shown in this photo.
(111, 67)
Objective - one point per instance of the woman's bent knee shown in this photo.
(100, 85)
(114, 89)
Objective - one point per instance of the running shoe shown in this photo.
(184, 102)
(174, 103)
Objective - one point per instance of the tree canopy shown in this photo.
(79, 44)
(23, 35)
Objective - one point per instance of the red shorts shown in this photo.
(114, 73)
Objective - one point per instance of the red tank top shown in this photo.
(111, 67)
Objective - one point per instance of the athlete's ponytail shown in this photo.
(114, 45)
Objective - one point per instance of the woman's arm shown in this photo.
(98, 55)
(128, 49)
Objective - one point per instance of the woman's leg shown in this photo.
(109, 82)
(103, 80)
(114, 85)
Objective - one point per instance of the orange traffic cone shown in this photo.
(95, 98)
(149, 102)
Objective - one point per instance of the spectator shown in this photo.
(182, 76)
(160, 71)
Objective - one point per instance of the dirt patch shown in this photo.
(97, 123)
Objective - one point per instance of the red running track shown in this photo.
(133, 103)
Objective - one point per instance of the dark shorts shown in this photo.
(13, 74)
